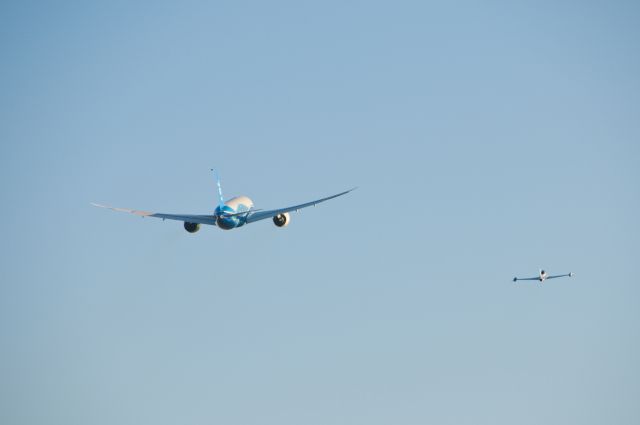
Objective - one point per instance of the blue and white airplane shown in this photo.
(235, 212)
(542, 276)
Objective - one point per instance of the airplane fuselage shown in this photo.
(232, 206)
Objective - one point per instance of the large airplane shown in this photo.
(543, 276)
(235, 212)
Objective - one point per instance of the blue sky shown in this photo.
(487, 140)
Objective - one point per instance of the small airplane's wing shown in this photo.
(201, 219)
(560, 275)
(261, 215)
(526, 278)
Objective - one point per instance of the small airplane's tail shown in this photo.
(220, 198)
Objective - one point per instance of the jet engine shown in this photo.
(191, 227)
(282, 220)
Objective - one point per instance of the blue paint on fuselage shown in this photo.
(228, 223)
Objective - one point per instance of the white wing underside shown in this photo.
(191, 218)
(261, 215)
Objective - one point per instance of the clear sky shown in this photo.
(488, 139)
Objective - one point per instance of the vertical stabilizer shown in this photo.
(220, 198)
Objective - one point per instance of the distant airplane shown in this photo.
(235, 212)
(543, 276)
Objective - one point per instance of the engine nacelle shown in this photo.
(191, 227)
(282, 220)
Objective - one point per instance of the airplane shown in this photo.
(229, 214)
(543, 276)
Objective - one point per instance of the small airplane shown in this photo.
(543, 276)
(235, 212)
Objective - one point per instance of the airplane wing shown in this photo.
(261, 215)
(526, 278)
(201, 219)
(560, 275)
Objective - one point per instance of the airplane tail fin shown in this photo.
(220, 198)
